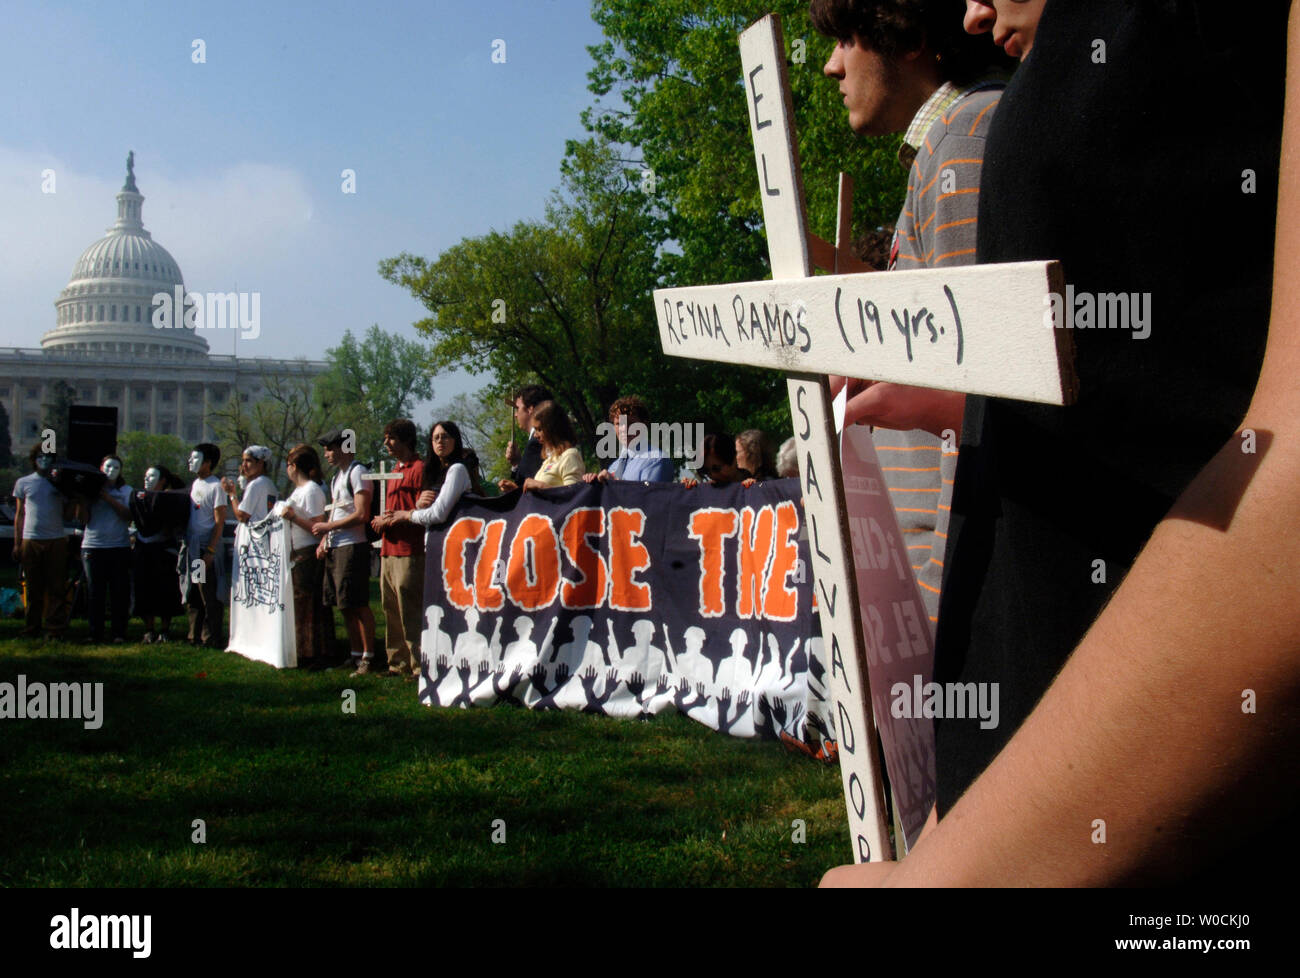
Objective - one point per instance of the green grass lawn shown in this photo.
(294, 792)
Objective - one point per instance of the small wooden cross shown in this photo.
(383, 477)
(979, 329)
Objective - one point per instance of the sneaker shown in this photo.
(149, 638)
(347, 662)
(364, 668)
(161, 638)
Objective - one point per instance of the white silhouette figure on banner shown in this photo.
(472, 646)
(523, 653)
(691, 664)
(734, 672)
(580, 653)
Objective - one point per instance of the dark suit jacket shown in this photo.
(529, 462)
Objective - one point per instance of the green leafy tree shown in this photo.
(61, 396)
(286, 412)
(669, 87)
(567, 302)
(371, 382)
(140, 450)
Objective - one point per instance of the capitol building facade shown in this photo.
(107, 347)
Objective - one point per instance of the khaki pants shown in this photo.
(401, 588)
(45, 569)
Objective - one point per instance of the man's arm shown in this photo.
(219, 515)
(20, 516)
(1144, 727)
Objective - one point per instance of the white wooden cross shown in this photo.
(980, 330)
(383, 477)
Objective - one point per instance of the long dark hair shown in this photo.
(555, 425)
(167, 479)
(435, 473)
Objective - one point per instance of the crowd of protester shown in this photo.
(161, 551)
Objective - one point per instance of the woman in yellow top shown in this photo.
(562, 463)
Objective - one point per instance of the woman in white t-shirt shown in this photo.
(106, 553)
(259, 494)
(305, 506)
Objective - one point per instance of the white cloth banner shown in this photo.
(261, 595)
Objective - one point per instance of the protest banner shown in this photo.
(629, 599)
(261, 594)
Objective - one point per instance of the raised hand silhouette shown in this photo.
(547, 702)
(728, 720)
(662, 684)
(724, 701)
(819, 725)
(778, 711)
(506, 692)
(636, 685)
(611, 679)
(538, 678)
(765, 726)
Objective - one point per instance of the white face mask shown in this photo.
(111, 468)
(151, 479)
(196, 462)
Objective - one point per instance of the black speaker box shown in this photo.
(92, 433)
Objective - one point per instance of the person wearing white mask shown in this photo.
(106, 553)
(255, 494)
(153, 563)
(203, 543)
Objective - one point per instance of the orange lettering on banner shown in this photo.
(710, 527)
(533, 575)
(589, 591)
(627, 556)
(781, 600)
(755, 552)
(487, 595)
(464, 531)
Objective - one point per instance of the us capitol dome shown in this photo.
(106, 346)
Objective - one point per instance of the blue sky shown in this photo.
(240, 158)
